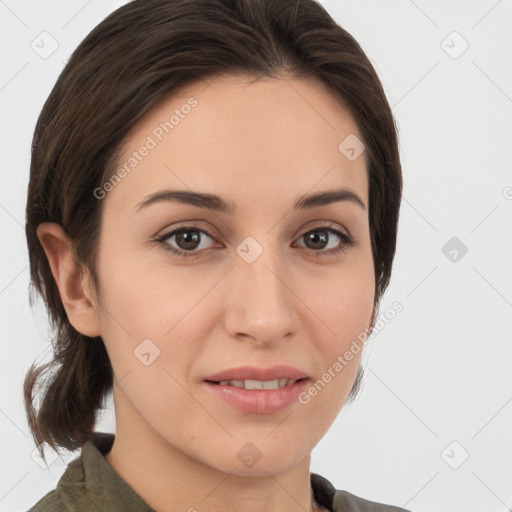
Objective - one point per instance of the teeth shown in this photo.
(258, 384)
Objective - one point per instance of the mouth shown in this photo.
(252, 377)
(252, 384)
(259, 391)
(256, 390)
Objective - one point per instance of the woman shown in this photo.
(211, 221)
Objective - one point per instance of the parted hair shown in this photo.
(131, 61)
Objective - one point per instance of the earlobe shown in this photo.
(73, 288)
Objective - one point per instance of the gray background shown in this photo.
(431, 427)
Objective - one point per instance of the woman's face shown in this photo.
(261, 286)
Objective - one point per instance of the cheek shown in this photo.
(150, 328)
(139, 297)
(342, 301)
(351, 305)
(147, 306)
(341, 347)
(344, 305)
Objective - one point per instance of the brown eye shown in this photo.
(319, 238)
(187, 239)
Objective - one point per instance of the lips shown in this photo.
(255, 390)
(267, 398)
(252, 373)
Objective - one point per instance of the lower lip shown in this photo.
(258, 401)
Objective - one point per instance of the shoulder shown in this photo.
(63, 497)
(49, 503)
(346, 501)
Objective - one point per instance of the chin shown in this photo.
(258, 458)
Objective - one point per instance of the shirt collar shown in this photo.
(90, 481)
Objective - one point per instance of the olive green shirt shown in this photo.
(89, 483)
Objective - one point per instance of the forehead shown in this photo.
(243, 139)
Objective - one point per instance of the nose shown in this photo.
(261, 304)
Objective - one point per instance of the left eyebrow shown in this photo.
(218, 204)
(327, 197)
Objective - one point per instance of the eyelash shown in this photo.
(347, 241)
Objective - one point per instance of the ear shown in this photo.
(75, 291)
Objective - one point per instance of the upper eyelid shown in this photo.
(171, 232)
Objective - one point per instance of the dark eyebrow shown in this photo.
(328, 197)
(218, 204)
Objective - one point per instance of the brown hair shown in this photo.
(136, 57)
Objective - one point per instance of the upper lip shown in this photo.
(253, 373)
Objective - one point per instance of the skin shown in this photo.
(260, 145)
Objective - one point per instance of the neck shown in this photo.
(168, 479)
(208, 491)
